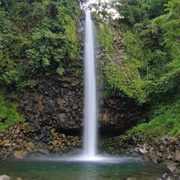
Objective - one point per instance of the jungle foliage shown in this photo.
(151, 31)
(164, 120)
(154, 27)
(38, 38)
(150, 71)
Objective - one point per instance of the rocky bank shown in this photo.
(166, 151)
(21, 141)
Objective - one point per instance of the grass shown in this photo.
(8, 113)
(165, 120)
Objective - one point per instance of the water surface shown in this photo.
(63, 169)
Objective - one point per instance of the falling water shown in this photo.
(90, 123)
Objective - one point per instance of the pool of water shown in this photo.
(116, 168)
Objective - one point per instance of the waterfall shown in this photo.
(90, 122)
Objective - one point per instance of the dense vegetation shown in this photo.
(37, 38)
(164, 120)
(151, 30)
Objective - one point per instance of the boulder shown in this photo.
(176, 156)
(19, 153)
(142, 151)
(43, 151)
(4, 177)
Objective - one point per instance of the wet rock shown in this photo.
(4, 177)
(172, 166)
(43, 151)
(176, 156)
(164, 176)
(19, 153)
(170, 157)
(142, 151)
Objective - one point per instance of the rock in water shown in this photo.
(4, 177)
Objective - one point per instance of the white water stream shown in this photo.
(90, 122)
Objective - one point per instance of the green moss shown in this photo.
(8, 114)
(127, 79)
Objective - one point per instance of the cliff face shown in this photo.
(118, 113)
(53, 108)
(57, 102)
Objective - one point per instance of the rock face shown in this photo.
(56, 102)
(59, 104)
(118, 113)
(53, 110)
